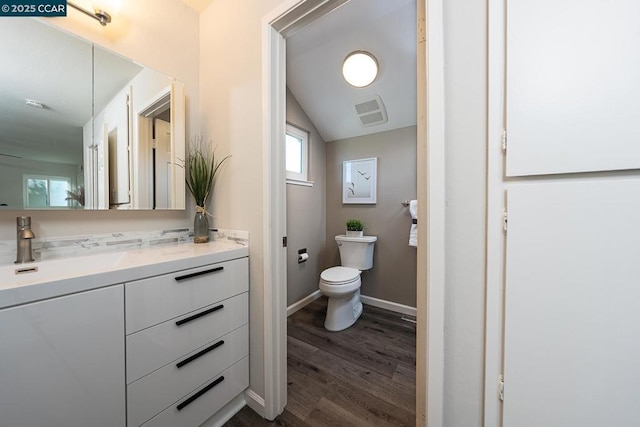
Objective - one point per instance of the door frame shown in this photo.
(290, 16)
(495, 208)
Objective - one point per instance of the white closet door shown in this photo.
(573, 86)
(572, 304)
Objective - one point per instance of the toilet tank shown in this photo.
(356, 252)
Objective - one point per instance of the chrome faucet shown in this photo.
(23, 239)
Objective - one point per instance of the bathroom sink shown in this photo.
(59, 269)
(32, 273)
(36, 281)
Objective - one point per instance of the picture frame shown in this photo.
(359, 181)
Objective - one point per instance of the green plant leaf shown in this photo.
(355, 225)
(202, 168)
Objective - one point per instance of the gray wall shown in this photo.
(306, 209)
(393, 276)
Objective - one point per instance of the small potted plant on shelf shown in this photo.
(202, 167)
(354, 228)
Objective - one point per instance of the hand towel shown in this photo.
(413, 233)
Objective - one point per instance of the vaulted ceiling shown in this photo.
(385, 28)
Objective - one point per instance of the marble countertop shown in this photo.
(66, 276)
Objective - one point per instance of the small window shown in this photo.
(297, 153)
(46, 191)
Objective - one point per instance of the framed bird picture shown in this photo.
(359, 181)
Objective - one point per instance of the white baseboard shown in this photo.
(376, 302)
(227, 412)
(255, 401)
(388, 305)
(303, 302)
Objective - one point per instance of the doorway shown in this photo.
(329, 122)
(291, 16)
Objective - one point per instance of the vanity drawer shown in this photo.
(151, 394)
(159, 345)
(157, 299)
(226, 386)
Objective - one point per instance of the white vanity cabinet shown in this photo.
(187, 343)
(153, 337)
(62, 361)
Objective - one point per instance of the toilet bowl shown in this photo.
(342, 284)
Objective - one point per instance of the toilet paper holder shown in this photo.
(303, 256)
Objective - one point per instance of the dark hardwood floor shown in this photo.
(362, 376)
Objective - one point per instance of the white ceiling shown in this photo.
(387, 29)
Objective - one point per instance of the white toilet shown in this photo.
(342, 284)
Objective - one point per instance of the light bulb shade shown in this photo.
(360, 69)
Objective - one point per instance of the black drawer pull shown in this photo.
(199, 273)
(197, 316)
(198, 394)
(198, 354)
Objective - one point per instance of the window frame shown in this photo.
(302, 135)
(48, 178)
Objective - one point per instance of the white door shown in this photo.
(117, 137)
(163, 164)
(572, 304)
(573, 91)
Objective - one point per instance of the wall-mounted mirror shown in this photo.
(84, 128)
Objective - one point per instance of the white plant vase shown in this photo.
(351, 233)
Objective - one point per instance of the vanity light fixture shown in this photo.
(360, 68)
(100, 8)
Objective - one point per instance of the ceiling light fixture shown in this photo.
(100, 8)
(360, 68)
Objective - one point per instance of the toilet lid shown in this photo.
(339, 275)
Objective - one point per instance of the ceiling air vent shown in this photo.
(371, 111)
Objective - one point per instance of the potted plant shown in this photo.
(354, 228)
(202, 167)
